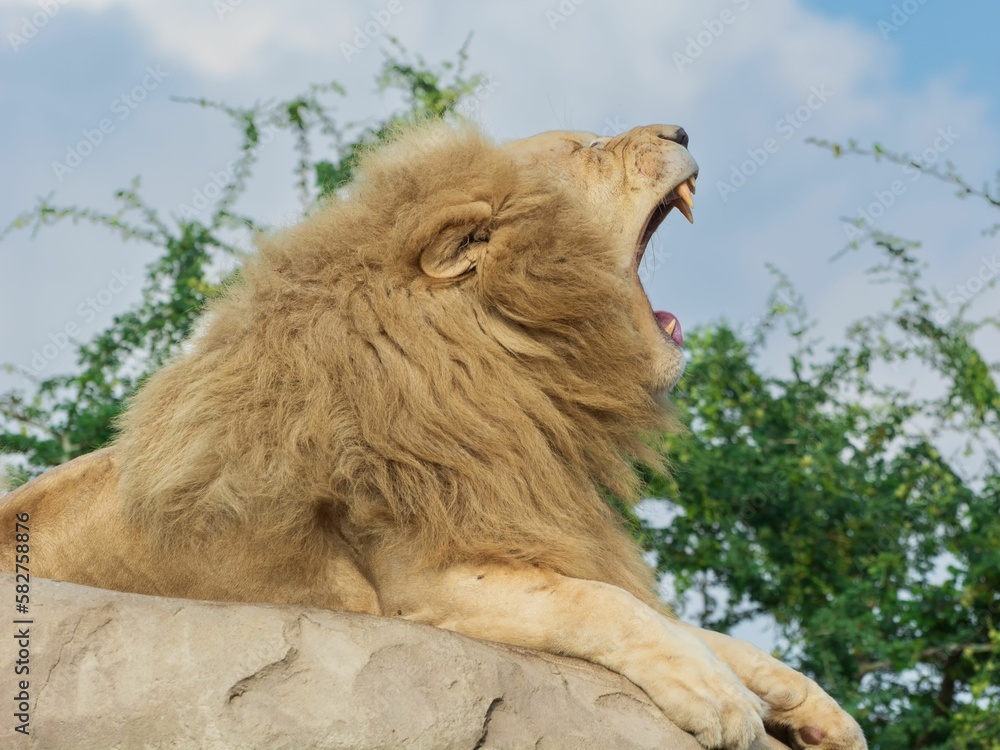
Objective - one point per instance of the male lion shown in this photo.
(412, 405)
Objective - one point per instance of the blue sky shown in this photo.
(954, 38)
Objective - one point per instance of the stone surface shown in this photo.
(110, 671)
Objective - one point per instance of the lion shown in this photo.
(416, 404)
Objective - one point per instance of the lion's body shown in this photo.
(413, 404)
(332, 398)
(79, 533)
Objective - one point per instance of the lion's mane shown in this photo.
(337, 386)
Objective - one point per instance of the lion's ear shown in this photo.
(455, 240)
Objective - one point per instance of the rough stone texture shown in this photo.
(112, 671)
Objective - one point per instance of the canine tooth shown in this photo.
(684, 192)
(691, 184)
(685, 209)
(670, 327)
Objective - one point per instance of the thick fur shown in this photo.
(471, 420)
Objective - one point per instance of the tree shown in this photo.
(862, 518)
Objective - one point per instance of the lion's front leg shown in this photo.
(526, 606)
(795, 704)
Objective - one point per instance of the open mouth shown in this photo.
(680, 197)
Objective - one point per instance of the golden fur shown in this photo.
(471, 420)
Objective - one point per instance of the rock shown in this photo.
(110, 671)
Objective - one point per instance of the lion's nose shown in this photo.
(673, 133)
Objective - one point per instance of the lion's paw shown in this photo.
(806, 718)
(707, 700)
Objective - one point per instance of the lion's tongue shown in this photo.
(672, 326)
